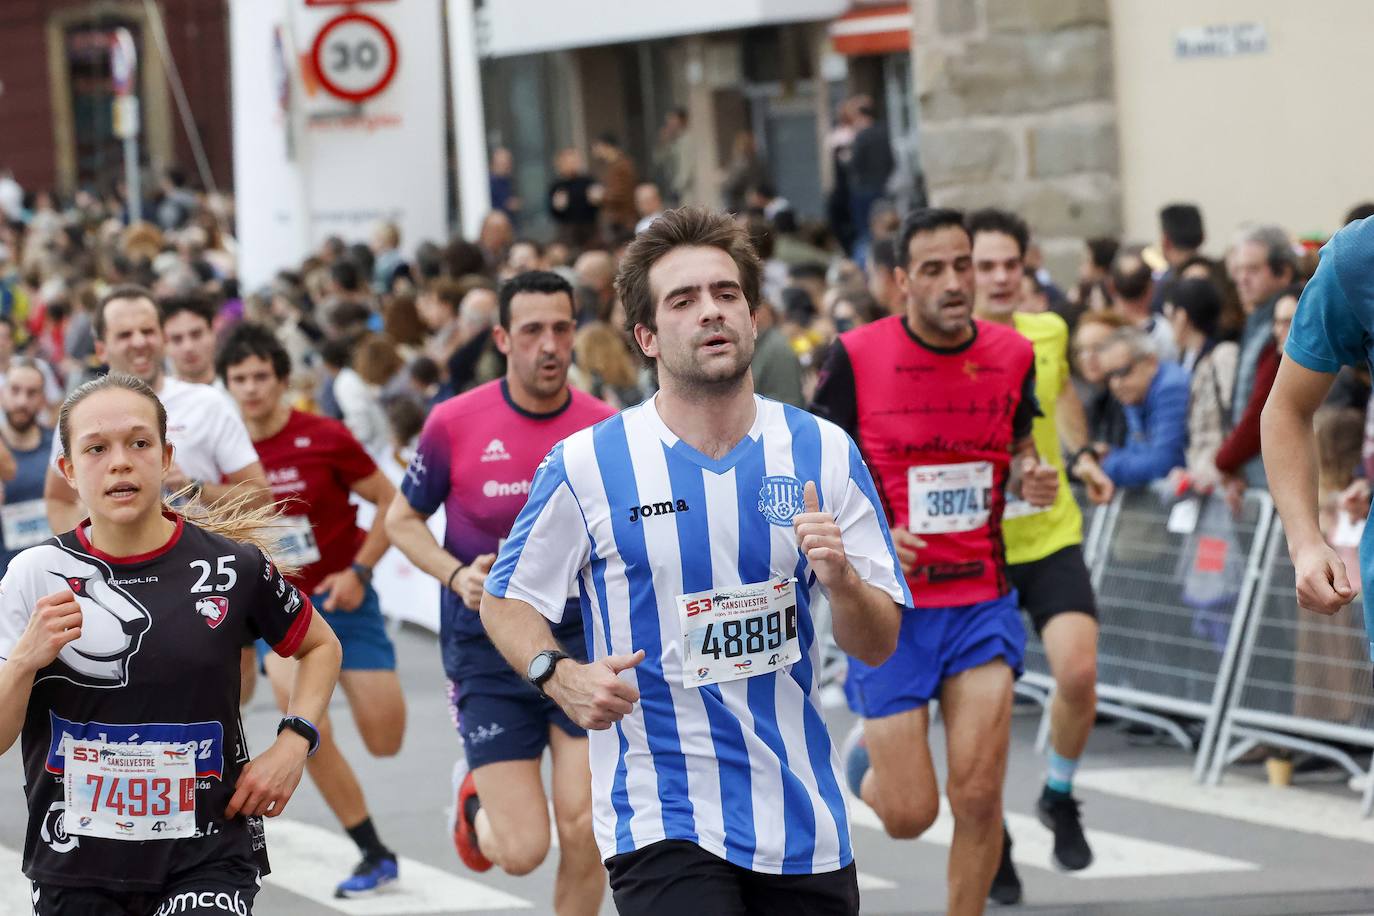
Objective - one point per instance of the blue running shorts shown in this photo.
(361, 632)
(501, 717)
(935, 644)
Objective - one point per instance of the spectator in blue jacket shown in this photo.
(1155, 397)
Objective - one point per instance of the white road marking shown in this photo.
(310, 861)
(867, 882)
(15, 889)
(1336, 816)
(1114, 855)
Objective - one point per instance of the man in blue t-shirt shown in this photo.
(23, 515)
(1334, 327)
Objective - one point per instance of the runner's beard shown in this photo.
(20, 421)
(686, 368)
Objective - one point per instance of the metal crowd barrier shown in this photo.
(1037, 684)
(1302, 681)
(1172, 601)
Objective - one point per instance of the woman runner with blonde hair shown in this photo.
(119, 672)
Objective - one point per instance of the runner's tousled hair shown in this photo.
(235, 516)
(685, 227)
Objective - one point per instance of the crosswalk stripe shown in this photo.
(869, 882)
(1114, 855)
(1336, 816)
(14, 888)
(309, 861)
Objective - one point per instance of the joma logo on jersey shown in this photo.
(665, 507)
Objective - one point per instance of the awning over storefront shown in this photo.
(512, 27)
(884, 29)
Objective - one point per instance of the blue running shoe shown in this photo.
(854, 755)
(370, 875)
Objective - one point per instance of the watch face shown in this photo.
(539, 666)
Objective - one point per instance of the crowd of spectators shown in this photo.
(1173, 352)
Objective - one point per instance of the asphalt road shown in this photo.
(1164, 846)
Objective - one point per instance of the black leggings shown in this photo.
(678, 878)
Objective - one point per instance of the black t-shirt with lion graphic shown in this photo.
(157, 661)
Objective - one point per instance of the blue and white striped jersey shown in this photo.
(636, 517)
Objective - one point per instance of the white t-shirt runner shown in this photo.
(204, 425)
(695, 561)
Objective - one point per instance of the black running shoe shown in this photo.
(1059, 812)
(1006, 884)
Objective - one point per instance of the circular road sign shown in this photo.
(355, 56)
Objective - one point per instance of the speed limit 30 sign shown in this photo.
(355, 57)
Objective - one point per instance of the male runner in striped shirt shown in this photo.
(696, 527)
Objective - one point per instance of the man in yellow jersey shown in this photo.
(1044, 546)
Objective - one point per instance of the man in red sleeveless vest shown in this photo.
(941, 406)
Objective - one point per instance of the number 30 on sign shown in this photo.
(355, 57)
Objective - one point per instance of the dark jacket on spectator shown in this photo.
(475, 362)
(777, 373)
(870, 161)
(579, 210)
(1106, 419)
(1158, 431)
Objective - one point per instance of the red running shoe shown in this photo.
(464, 834)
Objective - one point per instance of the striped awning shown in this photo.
(884, 29)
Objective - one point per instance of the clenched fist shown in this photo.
(56, 621)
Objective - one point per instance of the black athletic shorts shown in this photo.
(212, 890)
(1060, 582)
(678, 878)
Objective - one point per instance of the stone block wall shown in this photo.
(1017, 110)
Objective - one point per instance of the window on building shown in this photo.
(99, 155)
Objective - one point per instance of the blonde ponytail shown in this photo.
(238, 516)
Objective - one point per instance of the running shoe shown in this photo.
(1059, 812)
(464, 833)
(370, 875)
(1006, 884)
(854, 754)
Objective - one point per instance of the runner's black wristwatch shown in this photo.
(542, 666)
(304, 728)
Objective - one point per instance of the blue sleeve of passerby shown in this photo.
(1327, 332)
(1164, 444)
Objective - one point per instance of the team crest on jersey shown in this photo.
(213, 608)
(780, 498)
(113, 624)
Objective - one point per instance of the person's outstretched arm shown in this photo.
(1290, 462)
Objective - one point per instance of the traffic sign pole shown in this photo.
(123, 69)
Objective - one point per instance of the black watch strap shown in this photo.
(303, 727)
(1087, 450)
(539, 671)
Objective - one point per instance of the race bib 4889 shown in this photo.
(739, 632)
